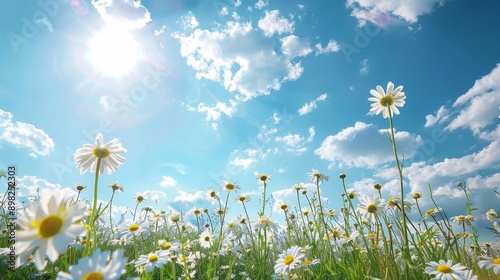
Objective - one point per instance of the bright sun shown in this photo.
(113, 52)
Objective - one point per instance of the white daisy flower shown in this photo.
(129, 228)
(490, 263)
(88, 155)
(206, 239)
(99, 266)
(382, 101)
(49, 226)
(317, 177)
(445, 270)
(264, 223)
(152, 260)
(370, 207)
(288, 260)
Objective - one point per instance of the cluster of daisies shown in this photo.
(313, 242)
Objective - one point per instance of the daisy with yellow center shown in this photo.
(152, 260)
(316, 177)
(461, 220)
(49, 226)
(264, 223)
(445, 270)
(206, 239)
(388, 100)
(230, 186)
(129, 228)
(242, 198)
(108, 155)
(263, 178)
(288, 261)
(100, 266)
(488, 263)
(370, 208)
(212, 195)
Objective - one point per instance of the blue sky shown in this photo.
(205, 91)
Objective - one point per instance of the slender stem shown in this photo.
(263, 200)
(90, 246)
(401, 186)
(110, 212)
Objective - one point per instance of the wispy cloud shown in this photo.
(295, 142)
(311, 106)
(363, 70)
(24, 135)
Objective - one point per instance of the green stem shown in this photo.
(90, 246)
(400, 173)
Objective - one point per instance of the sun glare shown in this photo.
(113, 52)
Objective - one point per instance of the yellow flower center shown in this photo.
(288, 260)
(307, 262)
(352, 195)
(284, 207)
(265, 221)
(207, 238)
(461, 218)
(152, 258)
(230, 224)
(263, 178)
(496, 261)
(370, 235)
(93, 276)
(140, 198)
(80, 187)
(429, 212)
(387, 100)
(133, 227)
(444, 268)
(230, 186)
(197, 212)
(101, 152)
(166, 246)
(372, 208)
(50, 226)
(156, 215)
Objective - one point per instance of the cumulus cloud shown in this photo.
(295, 142)
(272, 23)
(332, 46)
(260, 4)
(382, 13)
(168, 181)
(351, 146)
(311, 106)
(189, 21)
(247, 157)
(183, 196)
(24, 135)
(293, 46)
(239, 57)
(129, 14)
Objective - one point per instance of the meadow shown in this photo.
(59, 236)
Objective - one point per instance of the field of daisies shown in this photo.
(59, 236)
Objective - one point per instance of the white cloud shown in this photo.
(239, 57)
(260, 4)
(364, 67)
(189, 21)
(366, 145)
(168, 181)
(276, 119)
(213, 113)
(155, 195)
(25, 135)
(292, 46)
(332, 46)
(295, 142)
(237, 3)
(183, 196)
(311, 106)
(224, 11)
(124, 13)
(481, 103)
(272, 23)
(383, 12)
(244, 163)
(441, 116)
